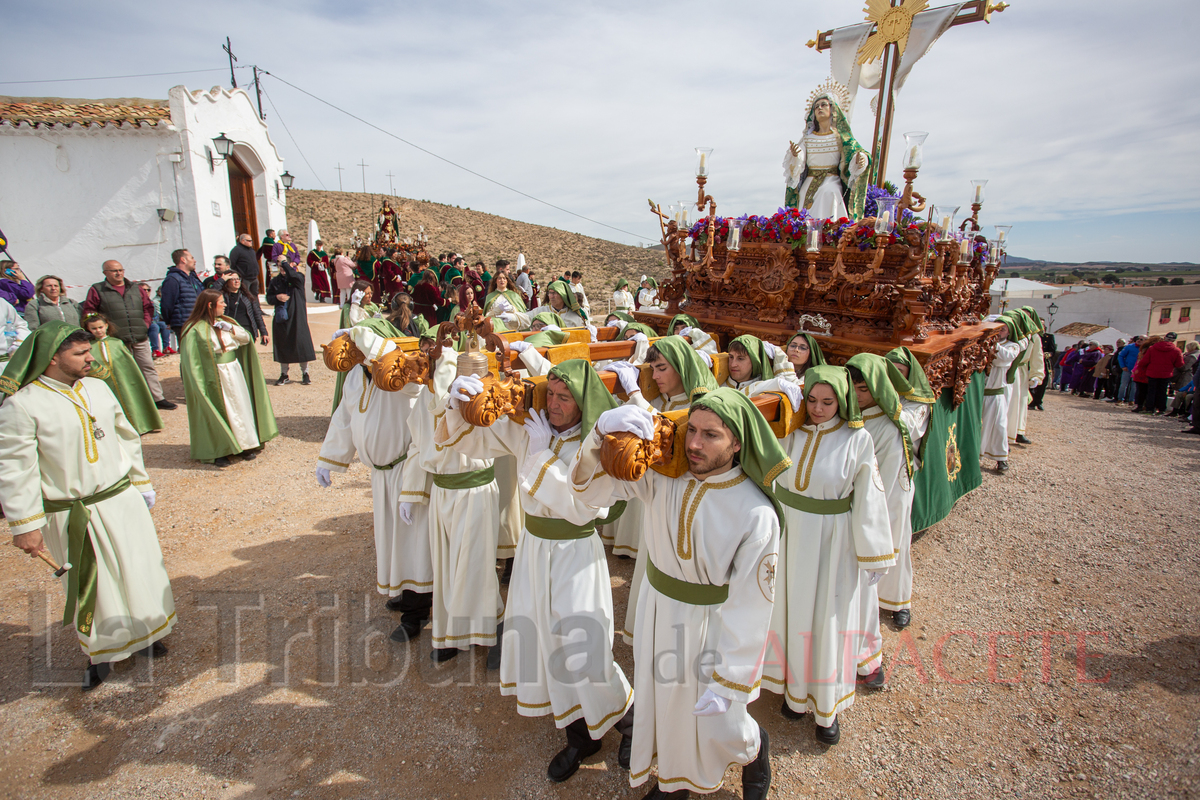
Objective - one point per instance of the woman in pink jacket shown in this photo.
(343, 270)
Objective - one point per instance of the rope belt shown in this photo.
(812, 505)
(557, 529)
(81, 578)
(465, 480)
(396, 461)
(695, 594)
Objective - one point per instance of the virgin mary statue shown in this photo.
(826, 171)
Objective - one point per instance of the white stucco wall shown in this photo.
(1125, 312)
(75, 196)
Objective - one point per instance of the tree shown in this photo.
(1013, 275)
(1110, 278)
(1177, 281)
(1161, 281)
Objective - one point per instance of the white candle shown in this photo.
(703, 162)
(887, 219)
(978, 194)
(914, 157)
(946, 223)
(1001, 236)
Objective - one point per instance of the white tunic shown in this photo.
(819, 152)
(897, 489)
(622, 300)
(49, 448)
(895, 587)
(463, 525)
(1033, 365)
(722, 531)
(818, 615)
(648, 298)
(560, 595)
(374, 424)
(239, 409)
(997, 394)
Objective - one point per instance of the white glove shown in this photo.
(771, 350)
(684, 332)
(406, 513)
(554, 328)
(222, 325)
(873, 576)
(591, 330)
(705, 357)
(149, 497)
(710, 704)
(508, 319)
(537, 428)
(1034, 383)
(324, 479)
(639, 337)
(632, 419)
(500, 306)
(357, 296)
(794, 392)
(339, 332)
(518, 346)
(627, 375)
(464, 388)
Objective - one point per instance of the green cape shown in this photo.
(545, 338)
(762, 458)
(513, 297)
(761, 367)
(1034, 317)
(33, 356)
(620, 283)
(653, 283)
(697, 377)
(128, 383)
(548, 318)
(839, 380)
(564, 291)
(876, 372)
(816, 358)
(588, 389)
(208, 427)
(1016, 329)
(639, 328)
(916, 385)
(686, 319)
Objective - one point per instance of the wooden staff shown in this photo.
(58, 571)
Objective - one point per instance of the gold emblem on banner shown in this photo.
(893, 25)
(953, 457)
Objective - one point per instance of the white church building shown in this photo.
(130, 179)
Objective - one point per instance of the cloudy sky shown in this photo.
(1083, 115)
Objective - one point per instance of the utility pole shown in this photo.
(391, 190)
(258, 90)
(364, 173)
(228, 48)
(340, 169)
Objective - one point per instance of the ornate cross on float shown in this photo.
(893, 29)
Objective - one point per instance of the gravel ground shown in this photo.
(299, 694)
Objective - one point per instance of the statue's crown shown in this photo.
(838, 91)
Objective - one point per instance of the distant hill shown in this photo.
(476, 235)
(1170, 266)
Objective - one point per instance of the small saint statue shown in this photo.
(387, 224)
(826, 171)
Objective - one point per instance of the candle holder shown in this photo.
(886, 209)
(943, 217)
(966, 248)
(683, 214)
(734, 242)
(913, 155)
(702, 154)
(993, 255)
(1002, 232)
(977, 191)
(812, 235)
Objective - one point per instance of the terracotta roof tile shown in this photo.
(65, 111)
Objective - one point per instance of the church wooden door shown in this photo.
(241, 195)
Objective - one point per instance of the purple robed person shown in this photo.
(1086, 382)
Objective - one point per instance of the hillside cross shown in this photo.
(364, 166)
(892, 20)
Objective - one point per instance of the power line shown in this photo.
(117, 77)
(446, 160)
(289, 133)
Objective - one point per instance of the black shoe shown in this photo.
(494, 652)
(625, 752)
(306, 381)
(410, 629)
(756, 776)
(1190, 430)
(156, 650)
(791, 713)
(165, 404)
(223, 461)
(94, 675)
(658, 794)
(443, 654)
(902, 618)
(831, 735)
(506, 575)
(1023, 439)
(249, 455)
(566, 762)
(1002, 466)
(395, 603)
(282, 380)
(873, 680)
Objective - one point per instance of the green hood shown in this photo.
(564, 291)
(761, 366)
(696, 376)
(916, 385)
(839, 380)
(875, 371)
(816, 358)
(33, 356)
(588, 390)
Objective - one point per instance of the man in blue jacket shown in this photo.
(179, 291)
(1127, 358)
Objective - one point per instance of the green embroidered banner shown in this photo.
(950, 456)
